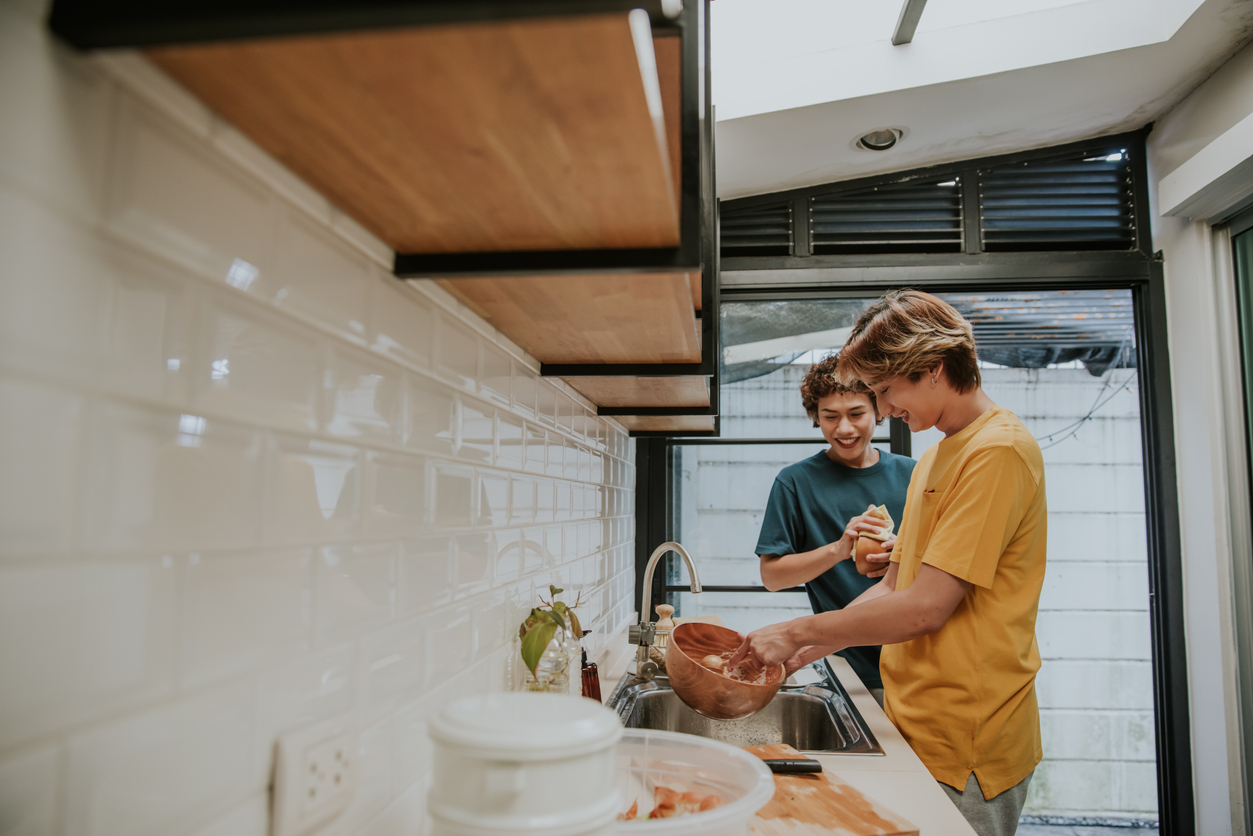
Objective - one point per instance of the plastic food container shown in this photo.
(687, 763)
(521, 763)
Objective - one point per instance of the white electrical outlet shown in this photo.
(315, 775)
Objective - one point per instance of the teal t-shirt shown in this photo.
(810, 506)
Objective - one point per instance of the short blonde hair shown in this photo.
(907, 333)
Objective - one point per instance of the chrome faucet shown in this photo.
(646, 668)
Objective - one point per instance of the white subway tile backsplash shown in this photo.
(56, 111)
(454, 505)
(393, 667)
(159, 771)
(248, 479)
(252, 364)
(80, 639)
(536, 448)
(493, 499)
(555, 456)
(365, 397)
(509, 447)
(53, 291)
(510, 554)
(318, 278)
(449, 637)
(402, 324)
(426, 572)
(496, 382)
(312, 490)
(545, 503)
(457, 351)
(521, 500)
(252, 818)
(478, 432)
(476, 554)
(40, 467)
(171, 481)
(399, 494)
(297, 693)
(28, 790)
(431, 415)
(355, 590)
(242, 611)
(546, 402)
(172, 196)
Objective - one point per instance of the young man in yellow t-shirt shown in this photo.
(956, 612)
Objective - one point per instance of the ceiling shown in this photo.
(980, 78)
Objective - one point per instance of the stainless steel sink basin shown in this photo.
(817, 717)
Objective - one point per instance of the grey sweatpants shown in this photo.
(998, 817)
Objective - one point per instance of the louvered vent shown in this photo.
(757, 230)
(912, 217)
(1083, 203)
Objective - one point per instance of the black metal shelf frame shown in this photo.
(1138, 269)
(110, 24)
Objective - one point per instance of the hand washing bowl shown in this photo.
(711, 693)
(817, 717)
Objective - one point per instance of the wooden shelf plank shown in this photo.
(676, 423)
(643, 391)
(504, 136)
(589, 319)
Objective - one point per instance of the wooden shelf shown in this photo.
(590, 319)
(667, 424)
(488, 137)
(643, 391)
(522, 138)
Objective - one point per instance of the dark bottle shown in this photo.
(591, 678)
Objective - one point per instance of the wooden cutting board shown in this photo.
(820, 803)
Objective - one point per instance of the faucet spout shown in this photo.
(646, 630)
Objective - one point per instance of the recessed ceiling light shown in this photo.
(880, 139)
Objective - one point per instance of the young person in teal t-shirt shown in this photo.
(818, 506)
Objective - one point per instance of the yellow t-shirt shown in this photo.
(964, 697)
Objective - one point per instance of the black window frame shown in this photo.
(1139, 269)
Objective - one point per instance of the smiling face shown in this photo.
(847, 421)
(918, 403)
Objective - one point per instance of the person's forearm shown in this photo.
(790, 570)
(880, 589)
(889, 617)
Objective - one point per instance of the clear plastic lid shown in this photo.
(525, 726)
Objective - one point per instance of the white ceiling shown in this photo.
(980, 78)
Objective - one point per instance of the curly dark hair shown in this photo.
(821, 380)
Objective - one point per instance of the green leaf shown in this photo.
(555, 590)
(575, 625)
(534, 643)
(558, 614)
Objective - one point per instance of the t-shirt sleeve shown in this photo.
(781, 525)
(979, 514)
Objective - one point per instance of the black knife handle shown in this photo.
(791, 766)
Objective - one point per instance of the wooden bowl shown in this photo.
(707, 692)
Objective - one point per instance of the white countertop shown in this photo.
(897, 779)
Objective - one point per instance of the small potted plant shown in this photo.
(550, 643)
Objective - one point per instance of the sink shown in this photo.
(815, 717)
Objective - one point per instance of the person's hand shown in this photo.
(770, 645)
(859, 524)
(884, 557)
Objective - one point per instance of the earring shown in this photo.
(935, 381)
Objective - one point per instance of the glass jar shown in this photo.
(552, 672)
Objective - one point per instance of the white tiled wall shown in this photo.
(247, 478)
